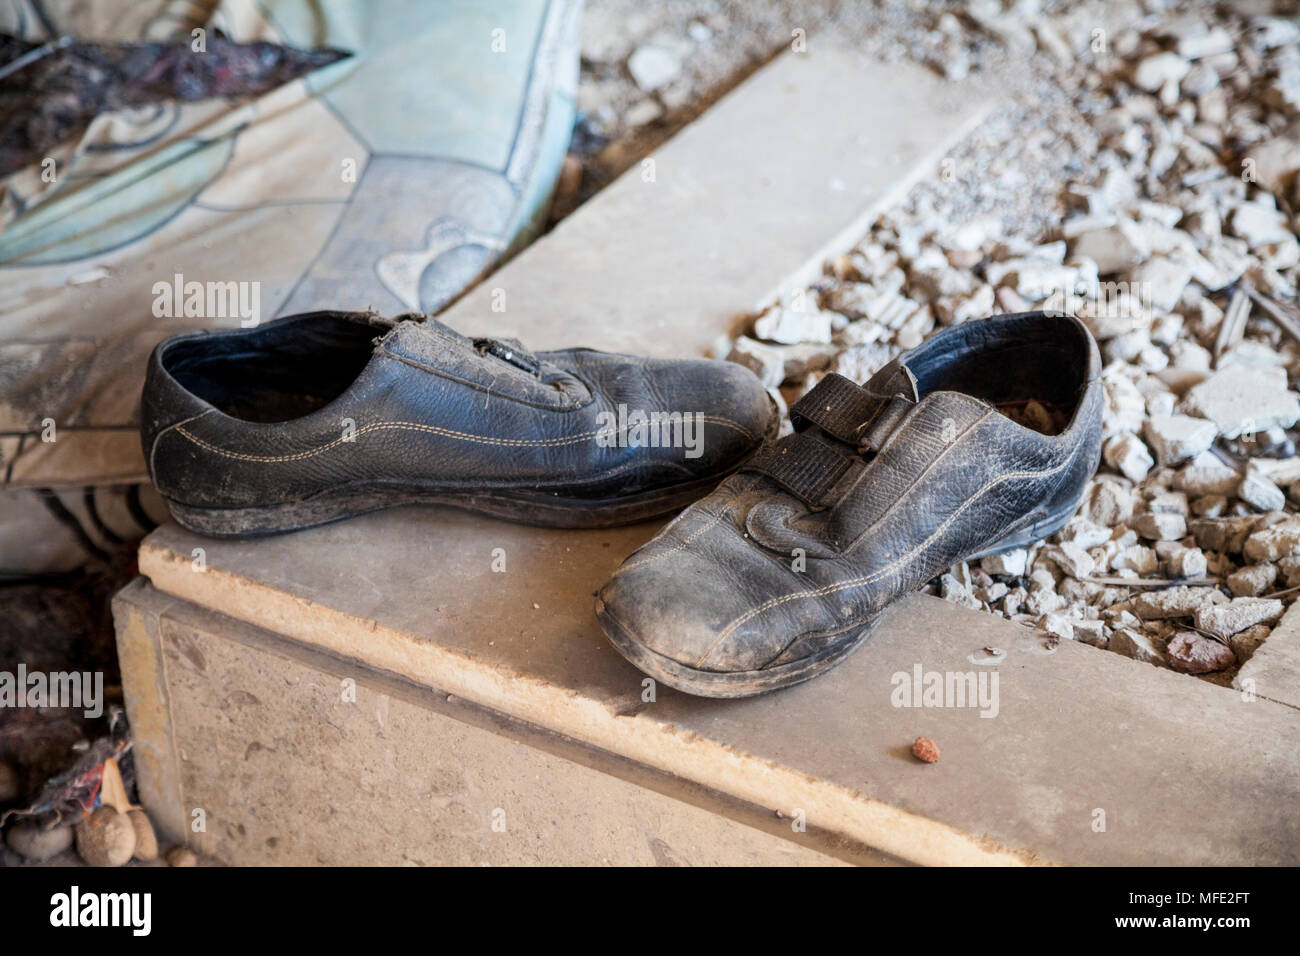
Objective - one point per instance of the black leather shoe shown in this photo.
(322, 416)
(783, 571)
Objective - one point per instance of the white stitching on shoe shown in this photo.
(650, 559)
(892, 566)
(436, 430)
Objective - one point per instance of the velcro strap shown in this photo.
(801, 464)
(836, 405)
(889, 413)
(849, 412)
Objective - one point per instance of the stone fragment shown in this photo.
(1188, 563)
(1139, 646)
(790, 326)
(181, 856)
(1108, 503)
(1252, 580)
(146, 841)
(1163, 281)
(1136, 558)
(1169, 502)
(1207, 474)
(1058, 625)
(105, 838)
(1091, 632)
(1260, 224)
(653, 66)
(1124, 408)
(1011, 563)
(1259, 492)
(925, 750)
(1245, 643)
(1174, 438)
(1224, 620)
(1161, 526)
(1271, 543)
(1154, 71)
(763, 360)
(1244, 399)
(1128, 455)
(1156, 605)
(1192, 653)
(36, 842)
(1071, 559)
(1224, 534)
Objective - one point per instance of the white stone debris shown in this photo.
(1152, 192)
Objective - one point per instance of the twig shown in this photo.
(1156, 583)
(1281, 316)
(1233, 326)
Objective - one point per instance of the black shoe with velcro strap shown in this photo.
(981, 440)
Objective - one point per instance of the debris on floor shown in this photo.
(1149, 186)
(50, 91)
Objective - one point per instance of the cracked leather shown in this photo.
(769, 578)
(247, 418)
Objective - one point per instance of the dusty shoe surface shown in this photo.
(783, 571)
(325, 415)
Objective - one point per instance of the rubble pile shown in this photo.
(1156, 199)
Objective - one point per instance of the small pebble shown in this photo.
(925, 750)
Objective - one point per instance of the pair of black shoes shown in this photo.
(766, 580)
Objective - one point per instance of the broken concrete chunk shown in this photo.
(1259, 224)
(1252, 580)
(1161, 526)
(1154, 71)
(1012, 563)
(1224, 620)
(1273, 542)
(1164, 280)
(1259, 492)
(1091, 632)
(1072, 559)
(1127, 455)
(1188, 563)
(763, 360)
(1174, 438)
(1207, 474)
(1245, 643)
(1135, 558)
(1140, 647)
(790, 326)
(1244, 399)
(1174, 602)
(653, 66)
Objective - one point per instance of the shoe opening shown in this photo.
(276, 373)
(1033, 368)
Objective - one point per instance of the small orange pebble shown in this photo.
(925, 749)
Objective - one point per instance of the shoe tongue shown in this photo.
(894, 379)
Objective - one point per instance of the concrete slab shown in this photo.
(280, 755)
(745, 202)
(1177, 771)
(1273, 671)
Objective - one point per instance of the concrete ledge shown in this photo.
(745, 202)
(1184, 772)
(291, 756)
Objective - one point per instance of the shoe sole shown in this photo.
(535, 508)
(733, 684)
